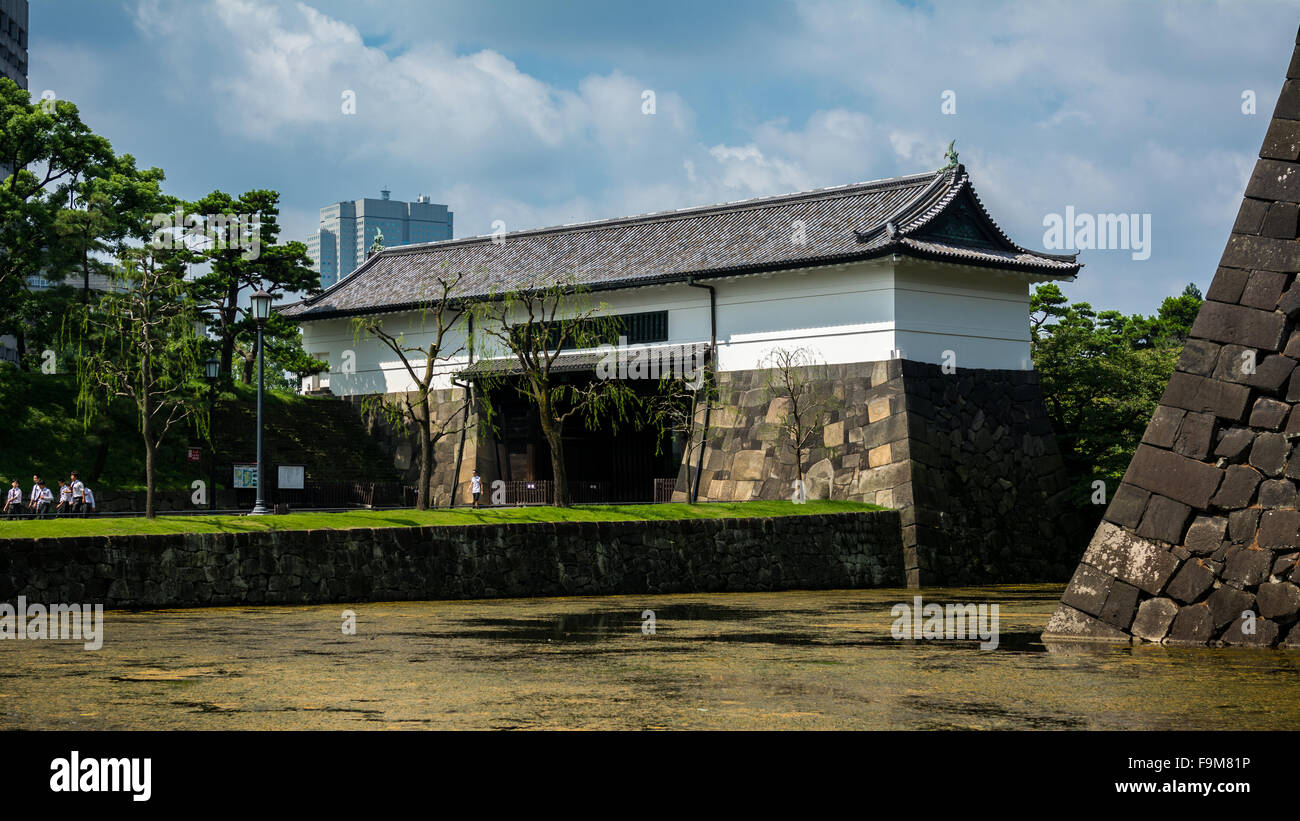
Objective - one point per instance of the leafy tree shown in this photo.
(236, 272)
(421, 358)
(142, 347)
(100, 213)
(1102, 375)
(282, 346)
(47, 146)
(530, 326)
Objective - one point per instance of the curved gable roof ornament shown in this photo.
(952, 195)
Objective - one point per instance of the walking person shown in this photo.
(78, 495)
(476, 486)
(88, 505)
(14, 501)
(44, 501)
(65, 500)
(34, 497)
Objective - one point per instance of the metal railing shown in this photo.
(664, 490)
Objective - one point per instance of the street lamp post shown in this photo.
(261, 305)
(212, 370)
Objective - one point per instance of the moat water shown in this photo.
(793, 660)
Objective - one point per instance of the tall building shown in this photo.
(348, 229)
(13, 40)
(13, 64)
(13, 49)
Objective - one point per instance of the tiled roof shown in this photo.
(935, 215)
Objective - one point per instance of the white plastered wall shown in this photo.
(859, 312)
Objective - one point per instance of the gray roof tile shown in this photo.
(910, 215)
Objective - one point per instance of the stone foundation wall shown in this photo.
(967, 458)
(1200, 542)
(536, 559)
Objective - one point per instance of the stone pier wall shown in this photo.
(1200, 543)
(848, 550)
(967, 458)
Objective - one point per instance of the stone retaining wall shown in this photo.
(1201, 542)
(831, 551)
(968, 459)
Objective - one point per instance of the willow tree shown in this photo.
(141, 346)
(427, 350)
(525, 330)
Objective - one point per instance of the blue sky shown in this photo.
(530, 112)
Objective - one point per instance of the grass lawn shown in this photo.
(413, 518)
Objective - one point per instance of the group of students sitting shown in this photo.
(75, 499)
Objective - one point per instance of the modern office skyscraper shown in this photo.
(13, 64)
(348, 229)
(13, 49)
(13, 40)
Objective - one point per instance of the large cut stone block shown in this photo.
(1228, 283)
(1206, 534)
(1194, 624)
(1121, 605)
(1127, 506)
(1165, 520)
(1238, 487)
(1282, 142)
(1249, 566)
(1191, 582)
(1268, 413)
(1196, 393)
(1279, 529)
(1269, 453)
(1234, 443)
(1177, 477)
(1251, 327)
(1264, 633)
(1195, 435)
(1278, 600)
(1264, 287)
(1272, 180)
(1163, 427)
(748, 465)
(1130, 558)
(1228, 603)
(1067, 622)
(1153, 619)
(1088, 589)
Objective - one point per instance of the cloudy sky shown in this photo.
(531, 112)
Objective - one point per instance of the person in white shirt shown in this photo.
(14, 501)
(476, 486)
(34, 498)
(88, 507)
(78, 493)
(44, 501)
(65, 499)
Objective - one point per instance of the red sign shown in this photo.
(194, 455)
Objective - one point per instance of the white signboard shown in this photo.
(292, 477)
